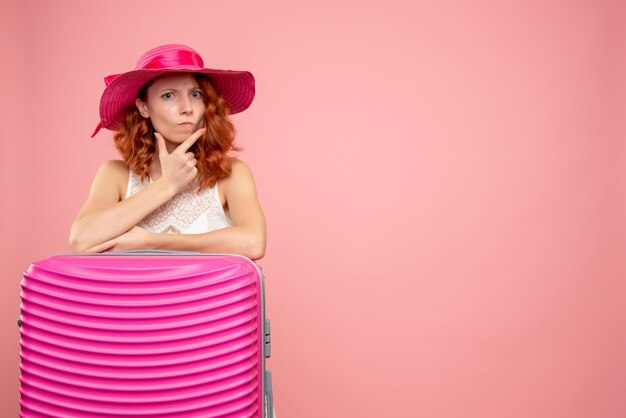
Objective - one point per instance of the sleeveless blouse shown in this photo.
(187, 212)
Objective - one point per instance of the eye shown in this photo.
(196, 93)
(167, 96)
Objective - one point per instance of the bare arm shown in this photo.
(105, 216)
(247, 235)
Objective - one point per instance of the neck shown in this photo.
(170, 146)
(155, 168)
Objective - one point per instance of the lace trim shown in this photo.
(183, 210)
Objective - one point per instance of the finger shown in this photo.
(182, 148)
(161, 145)
(189, 155)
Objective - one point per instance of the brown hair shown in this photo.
(134, 138)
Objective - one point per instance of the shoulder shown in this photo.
(116, 172)
(113, 167)
(239, 169)
(240, 178)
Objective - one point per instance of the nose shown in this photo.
(185, 105)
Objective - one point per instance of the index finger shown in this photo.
(182, 148)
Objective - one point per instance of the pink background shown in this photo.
(444, 184)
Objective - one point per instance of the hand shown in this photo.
(179, 167)
(135, 238)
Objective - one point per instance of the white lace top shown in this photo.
(187, 212)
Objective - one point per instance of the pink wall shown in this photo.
(444, 185)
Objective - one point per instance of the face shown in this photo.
(175, 106)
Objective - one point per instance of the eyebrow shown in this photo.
(173, 89)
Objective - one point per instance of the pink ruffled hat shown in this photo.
(237, 87)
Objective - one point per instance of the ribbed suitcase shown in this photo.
(144, 334)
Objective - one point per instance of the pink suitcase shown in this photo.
(144, 334)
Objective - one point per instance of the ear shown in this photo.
(142, 107)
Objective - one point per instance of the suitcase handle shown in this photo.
(269, 395)
(151, 252)
(267, 340)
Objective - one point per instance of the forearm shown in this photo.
(232, 240)
(98, 227)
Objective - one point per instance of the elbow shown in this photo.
(77, 244)
(256, 254)
(256, 249)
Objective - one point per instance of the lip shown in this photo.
(186, 124)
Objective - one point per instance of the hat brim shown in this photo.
(237, 88)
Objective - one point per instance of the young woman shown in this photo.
(177, 187)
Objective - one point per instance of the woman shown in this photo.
(177, 187)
